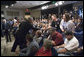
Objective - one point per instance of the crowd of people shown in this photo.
(8, 26)
(46, 37)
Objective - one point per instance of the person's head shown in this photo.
(66, 17)
(69, 35)
(38, 33)
(79, 19)
(34, 31)
(75, 19)
(15, 18)
(29, 38)
(30, 19)
(4, 20)
(47, 44)
(49, 14)
(54, 17)
(52, 30)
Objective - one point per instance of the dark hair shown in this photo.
(2, 18)
(68, 33)
(67, 17)
(16, 18)
(39, 33)
(29, 37)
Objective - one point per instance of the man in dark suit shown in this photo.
(20, 39)
(6, 28)
(2, 28)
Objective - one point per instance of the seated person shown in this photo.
(79, 27)
(70, 45)
(32, 47)
(79, 31)
(46, 49)
(37, 36)
(56, 37)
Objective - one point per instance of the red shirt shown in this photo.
(57, 37)
(41, 52)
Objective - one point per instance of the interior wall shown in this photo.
(21, 13)
(35, 13)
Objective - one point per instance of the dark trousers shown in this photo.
(2, 33)
(14, 46)
(16, 43)
(8, 37)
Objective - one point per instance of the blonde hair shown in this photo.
(47, 43)
(54, 15)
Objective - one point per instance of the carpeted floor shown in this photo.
(6, 47)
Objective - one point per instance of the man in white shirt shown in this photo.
(15, 21)
(70, 45)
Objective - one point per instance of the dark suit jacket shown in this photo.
(24, 28)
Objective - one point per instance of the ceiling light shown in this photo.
(56, 4)
(6, 6)
(44, 2)
(44, 7)
(60, 3)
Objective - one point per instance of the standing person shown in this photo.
(3, 26)
(15, 19)
(14, 25)
(66, 23)
(7, 30)
(55, 22)
(24, 28)
(11, 24)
